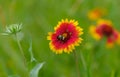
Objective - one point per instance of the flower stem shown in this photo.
(22, 53)
(84, 64)
(77, 63)
(83, 61)
(113, 73)
(21, 50)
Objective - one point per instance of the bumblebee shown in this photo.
(64, 37)
(61, 37)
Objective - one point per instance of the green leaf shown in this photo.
(35, 71)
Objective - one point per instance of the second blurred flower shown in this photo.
(104, 28)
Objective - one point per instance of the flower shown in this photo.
(12, 29)
(96, 13)
(65, 37)
(104, 28)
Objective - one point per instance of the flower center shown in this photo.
(64, 37)
(107, 30)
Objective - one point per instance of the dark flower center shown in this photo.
(107, 30)
(64, 37)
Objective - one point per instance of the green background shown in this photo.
(40, 17)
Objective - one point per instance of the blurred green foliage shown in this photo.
(38, 18)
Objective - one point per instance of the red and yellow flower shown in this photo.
(104, 28)
(65, 37)
(96, 13)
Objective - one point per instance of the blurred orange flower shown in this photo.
(65, 37)
(96, 13)
(104, 28)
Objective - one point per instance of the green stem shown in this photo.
(77, 63)
(113, 73)
(84, 64)
(83, 61)
(22, 53)
(21, 50)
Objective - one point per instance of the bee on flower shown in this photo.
(104, 28)
(65, 37)
(96, 13)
